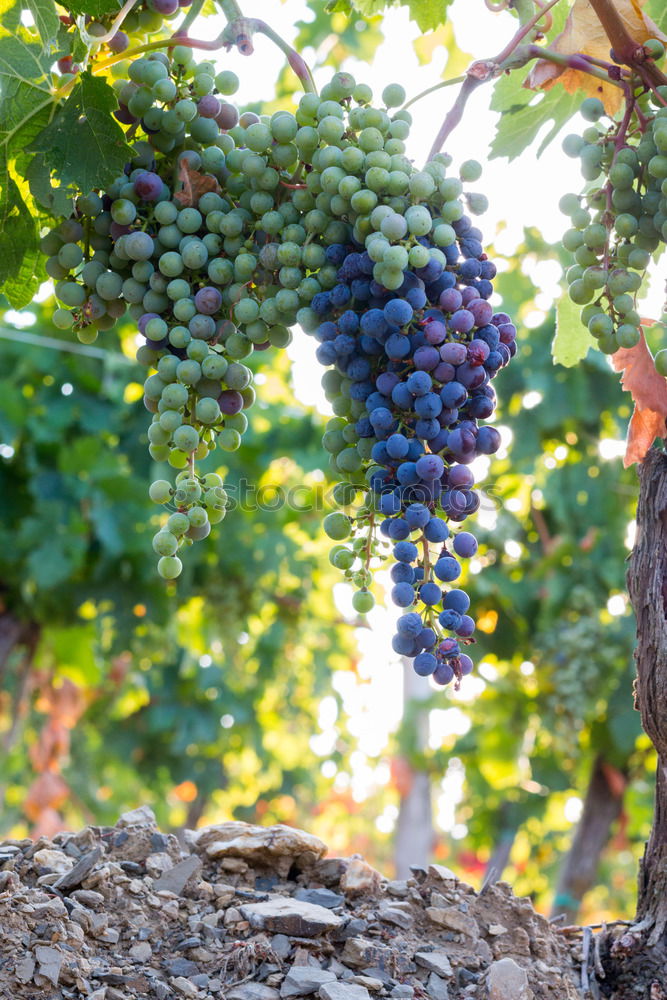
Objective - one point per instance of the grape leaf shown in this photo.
(657, 9)
(19, 251)
(429, 14)
(649, 392)
(46, 18)
(572, 339)
(584, 33)
(520, 123)
(84, 146)
(94, 8)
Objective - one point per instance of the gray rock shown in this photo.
(436, 987)
(402, 990)
(508, 981)
(25, 969)
(343, 991)
(281, 945)
(181, 967)
(81, 870)
(253, 991)
(201, 981)
(435, 961)
(395, 914)
(144, 814)
(49, 961)
(185, 987)
(290, 916)
(141, 952)
(302, 980)
(175, 879)
(321, 897)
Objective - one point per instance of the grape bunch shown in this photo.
(412, 344)
(618, 223)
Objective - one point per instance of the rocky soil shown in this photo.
(242, 912)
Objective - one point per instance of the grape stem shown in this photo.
(190, 17)
(513, 56)
(625, 49)
(431, 90)
(95, 40)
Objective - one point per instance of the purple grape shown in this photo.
(403, 594)
(409, 624)
(454, 354)
(465, 665)
(230, 402)
(457, 600)
(208, 106)
(462, 321)
(451, 300)
(208, 300)
(119, 42)
(466, 627)
(425, 664)
(430, 594)
(465, 545)
(426, 358)
(435, 332)
(447, 569)
(488, 441)
(164, 7)
(227, 117)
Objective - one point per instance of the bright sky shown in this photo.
(522, 193)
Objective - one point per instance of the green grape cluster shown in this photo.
(619, 222)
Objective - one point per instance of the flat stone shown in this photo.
(302, 980)
(321, 897)
(398, 888)
(343, 991)
(134, 817)
(443, 873)
(256, 843)
(402, 990)
(141, 952)
(360, 877)
(435, 961)
(181, 967)
(497, 929)
(81, 870)
(290, 916)
(185, 987)
(49, 961)
(252, 991)
(454, 920)
(25, 969)
(175, 879)
(395, 914)
(281, 945)
(369, 982)
(436, 987)
(55, 860)
(508, 981)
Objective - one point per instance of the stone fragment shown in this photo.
(55, 860)
(25, 969)
(396, 913)
(454, 920)
(290, 916)
(157, 863)
(360, 877)
(141, 952)
(181, 967)
(142, 815)
(49, 961)
(81, 870)
(508, 981)
(280, 945)
(375, 985)
(185, 987)
(398, 888)
(88, 897)
(343, 991)
(321, 897)
(174, 880)
(436, 987)
(497, 929)
(252, 991)
(402, 990)
(435, 961)
(277, 844)
(514, 942)
(442, 873)
(301, 980)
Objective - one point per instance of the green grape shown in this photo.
(169, 567)
(363, 601)
(337, 526)
(160, 491)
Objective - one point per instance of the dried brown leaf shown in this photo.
(195, 184)
(583, 33)
(649, 392)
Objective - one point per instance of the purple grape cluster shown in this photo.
(417, 364)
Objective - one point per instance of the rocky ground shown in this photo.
(250, 913)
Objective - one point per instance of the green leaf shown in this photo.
(657, 11)
(429, 14)
(46, 18)
(19, 250)
(94, 8)
(520, 121)
(572, 339)
(84, 146)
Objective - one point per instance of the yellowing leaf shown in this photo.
(649, 392)
(443, 37)
(583, 33)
